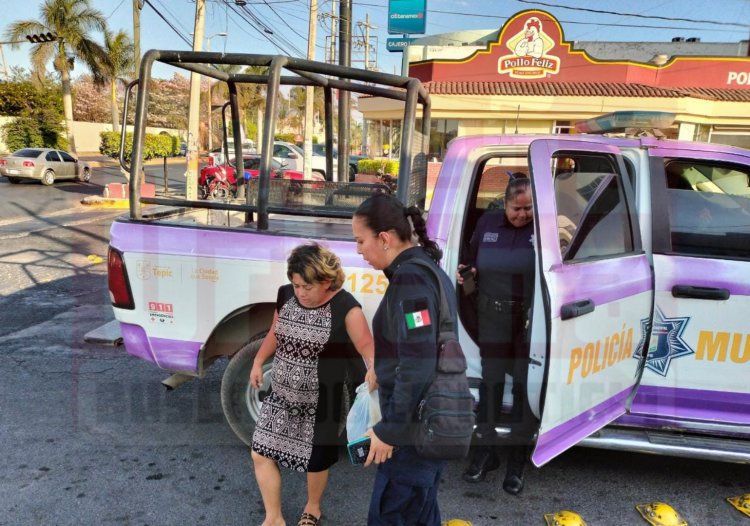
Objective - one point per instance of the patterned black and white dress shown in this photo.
(298, 426)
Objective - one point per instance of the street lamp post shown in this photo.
(210, 115)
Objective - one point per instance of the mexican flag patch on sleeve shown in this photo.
(417, 319)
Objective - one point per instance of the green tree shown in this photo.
(118, 67)
(37, 112)
(72, 21)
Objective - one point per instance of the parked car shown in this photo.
(295, 156)
(44, 164)
(216, 156)
(183, 150)
(320, 149)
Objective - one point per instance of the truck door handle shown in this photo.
(576, 308)
(700, 293)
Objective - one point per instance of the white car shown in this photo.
(217, 154)
(294, 156)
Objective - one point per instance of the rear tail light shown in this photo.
(117, 277)
(3, 162)
(29, 164)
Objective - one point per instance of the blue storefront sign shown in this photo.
(398, 44)
(407, 17)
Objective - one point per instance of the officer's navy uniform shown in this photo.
(405, 491)
(504, 258)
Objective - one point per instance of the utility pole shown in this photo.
(193, 153)
(367, 27)
(345, 59)
(210, 107)
(334, 31)
(310, 94)
(137, 6)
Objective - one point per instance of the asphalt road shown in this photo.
(89, 435)
(30, 199)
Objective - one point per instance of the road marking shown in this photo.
(21, 219)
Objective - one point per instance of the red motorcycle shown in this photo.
(220, 182)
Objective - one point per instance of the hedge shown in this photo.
(154, 146)
(372, 166)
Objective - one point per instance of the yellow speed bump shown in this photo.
(457, 522)
(741, 502)
(660, 514)
(94, 258)
(564, 518)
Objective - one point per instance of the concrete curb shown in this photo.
(105, 202)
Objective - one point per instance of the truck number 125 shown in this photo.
(367, 283)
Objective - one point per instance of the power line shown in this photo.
(635, 15)
(115, 9)
(600, 24)
(282, 38)
(241, 14)
(183, 37)
(175, 18)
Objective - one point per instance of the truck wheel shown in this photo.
(48, 178)
(239, 401)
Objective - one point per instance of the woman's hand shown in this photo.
(371, 379)
(379, 450)
(459, 277)
(256, 375)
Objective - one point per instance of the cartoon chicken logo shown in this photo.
(531, 45)
(530, 58)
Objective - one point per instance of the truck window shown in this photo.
(709, 208)
(592, 213)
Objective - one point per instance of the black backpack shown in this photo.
(445, 415)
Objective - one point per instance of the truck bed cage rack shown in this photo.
(411, 188)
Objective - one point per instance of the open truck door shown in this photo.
(594, 292)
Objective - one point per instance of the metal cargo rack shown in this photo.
(263, 195)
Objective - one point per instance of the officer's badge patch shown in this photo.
(490, 237)
(415, 320)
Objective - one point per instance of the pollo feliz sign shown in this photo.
(531, 47)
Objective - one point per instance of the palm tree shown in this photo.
(118, 66)
(71, 21)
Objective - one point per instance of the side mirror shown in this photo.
(292, 155)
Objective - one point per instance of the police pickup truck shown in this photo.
(639, 332)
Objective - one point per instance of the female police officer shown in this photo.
(405, 326)
(502, 259)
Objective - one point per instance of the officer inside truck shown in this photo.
(501, 260)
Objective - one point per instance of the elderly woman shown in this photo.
(501, 258)
(316, 329)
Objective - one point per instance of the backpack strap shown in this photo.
(446, 330)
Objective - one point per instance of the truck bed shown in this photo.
(279, 224)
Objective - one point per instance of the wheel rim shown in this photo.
(254, 397)
(220, 192)
(49, 177)
(86, 175)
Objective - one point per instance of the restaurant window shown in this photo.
(441, 133)
(563, 128)
(731, 136)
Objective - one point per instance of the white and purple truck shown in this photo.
(639, 329)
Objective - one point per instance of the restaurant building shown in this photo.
(526, 78)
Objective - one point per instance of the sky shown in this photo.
(284, 23)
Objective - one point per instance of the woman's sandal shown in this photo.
(308, 519)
